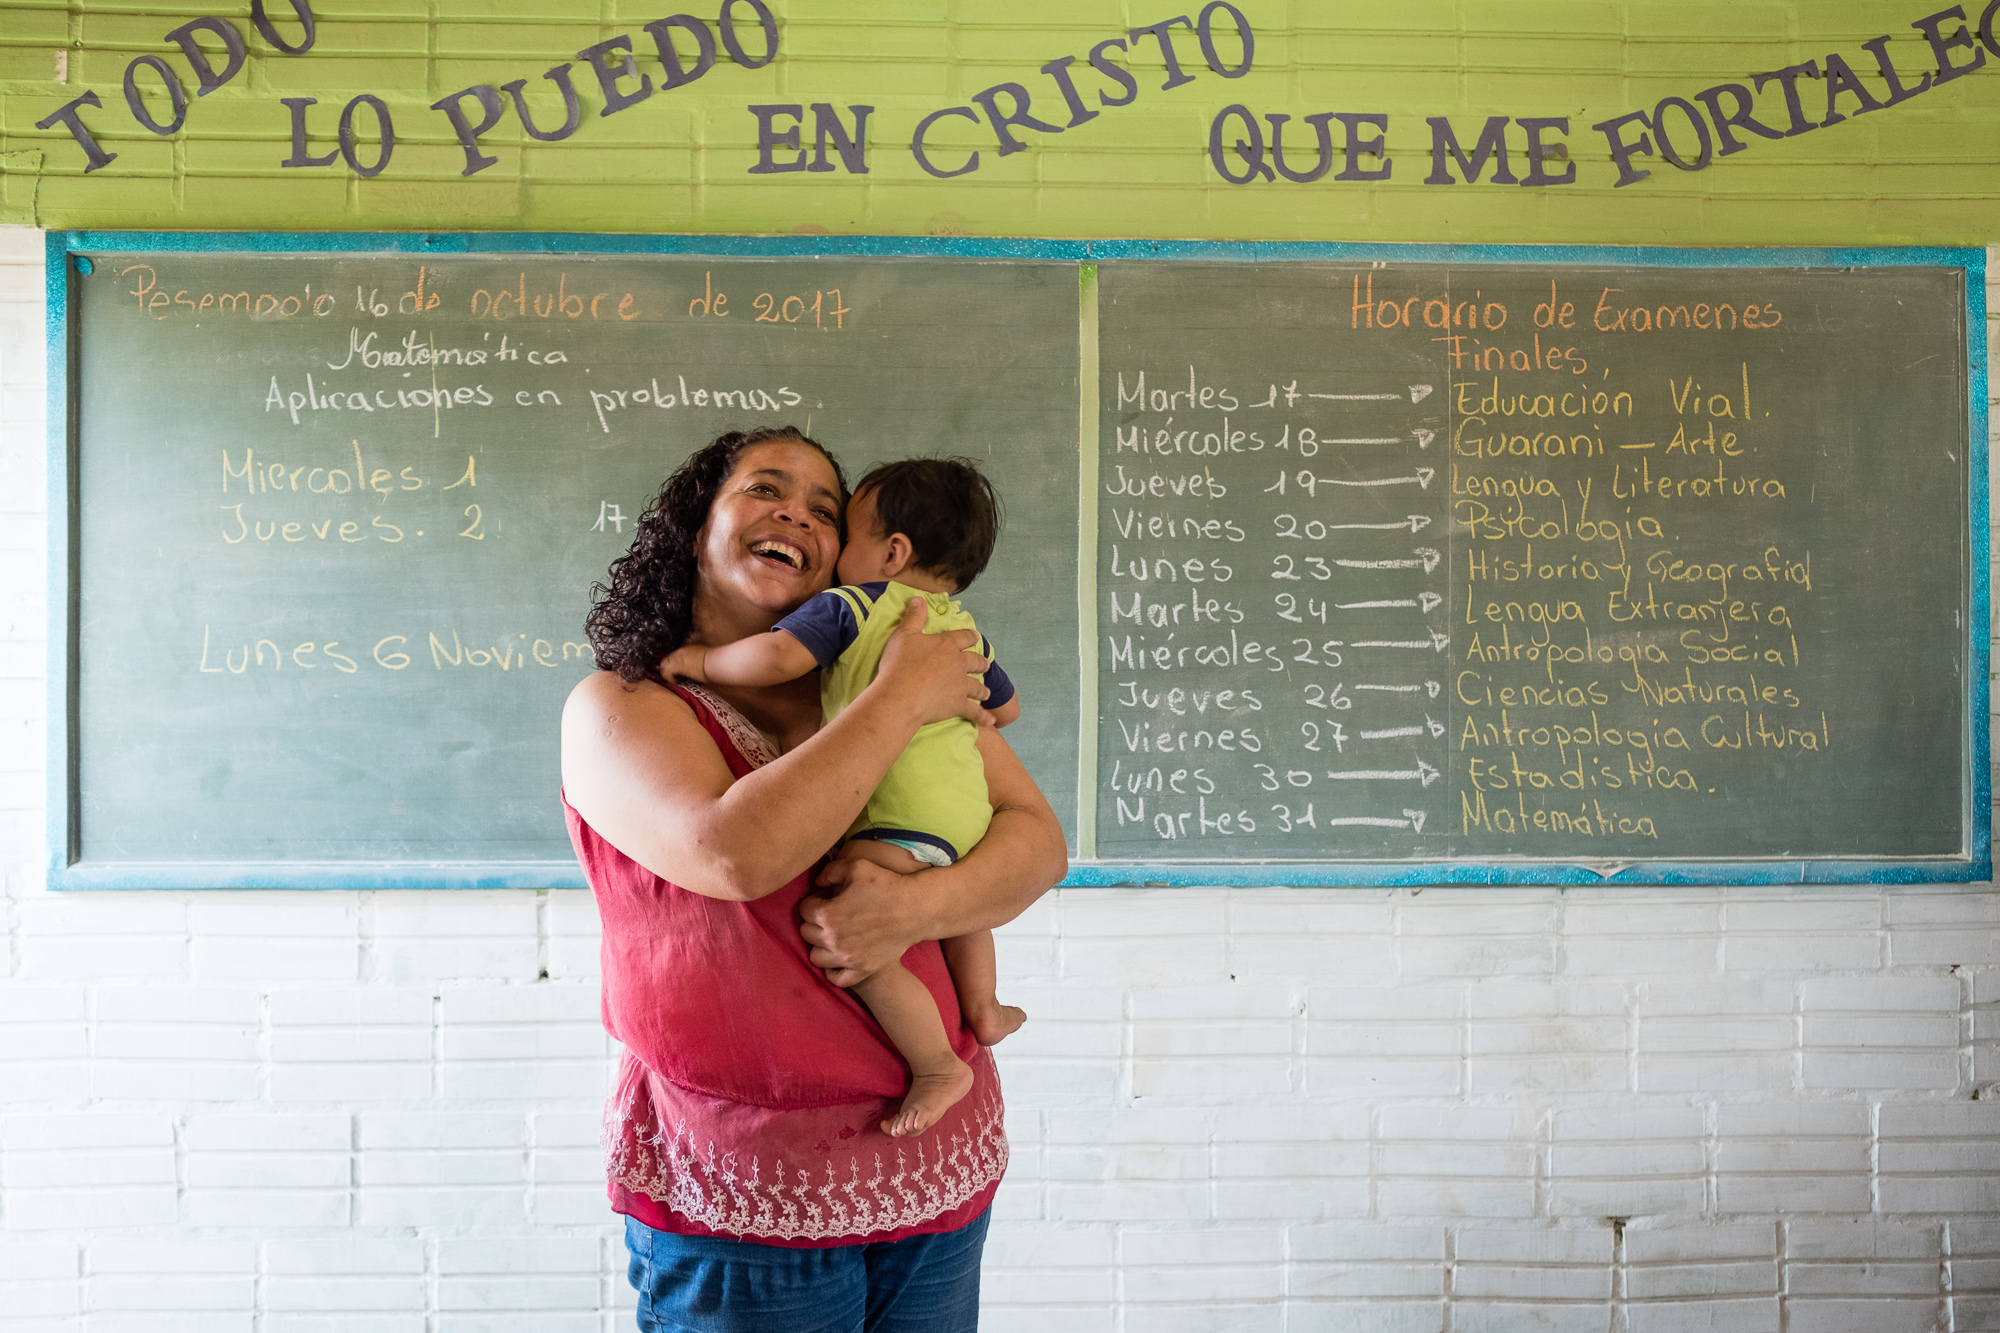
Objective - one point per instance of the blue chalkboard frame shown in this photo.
(66, 871)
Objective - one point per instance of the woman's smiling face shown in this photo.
(772, 537)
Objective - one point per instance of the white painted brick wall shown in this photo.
(1481, 1111)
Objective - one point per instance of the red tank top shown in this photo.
(751, 1087)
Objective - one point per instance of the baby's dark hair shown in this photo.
(945, 506)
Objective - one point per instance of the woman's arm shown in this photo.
(878, 914)
(641, 769)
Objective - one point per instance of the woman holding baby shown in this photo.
(745, 1134)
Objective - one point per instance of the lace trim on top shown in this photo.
(767, 1188)
(753, 744)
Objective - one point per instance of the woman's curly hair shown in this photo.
(647, 610)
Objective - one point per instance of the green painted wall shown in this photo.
(1927, 170)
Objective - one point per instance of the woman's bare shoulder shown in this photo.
(641, 721)
(603, 691)
(603, 697)
(638, 765)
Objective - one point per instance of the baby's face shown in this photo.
(866, 557)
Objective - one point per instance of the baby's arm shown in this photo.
(1003, 705)
(771, 658)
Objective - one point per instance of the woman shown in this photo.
(757, 1190)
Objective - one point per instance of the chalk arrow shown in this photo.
(1426, 558)
(1422, 478)
(1423, 773)
(1427, 601)
(1437, 643)
(1418, 392)
(1422, 437)
(1412, 820)
(1430, 685)
(1416, 523)
(1431, 724)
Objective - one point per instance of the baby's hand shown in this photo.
(685, 664)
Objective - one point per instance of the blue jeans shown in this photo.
(705, 1284)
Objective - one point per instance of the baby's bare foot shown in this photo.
(930, 1096)
(993, 1023)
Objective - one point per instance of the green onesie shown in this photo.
(934, 796)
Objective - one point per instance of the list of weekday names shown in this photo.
(1420, 563)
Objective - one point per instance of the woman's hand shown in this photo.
(877, 914)
(860, 922)
(935, 675)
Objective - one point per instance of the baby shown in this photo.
(923, 527)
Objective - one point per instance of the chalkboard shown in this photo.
(1322, 564)
(337, 517)
(1452, 562)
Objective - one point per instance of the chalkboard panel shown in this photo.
(1323, 564)
(338, 517)
(1480, 562)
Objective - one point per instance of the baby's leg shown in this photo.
(976, 975)
(904, 1007)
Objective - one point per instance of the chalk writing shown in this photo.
(1546, 572)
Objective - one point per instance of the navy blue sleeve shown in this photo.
(1002, 689)
(825, 625)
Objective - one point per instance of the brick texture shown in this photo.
(682, 159)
